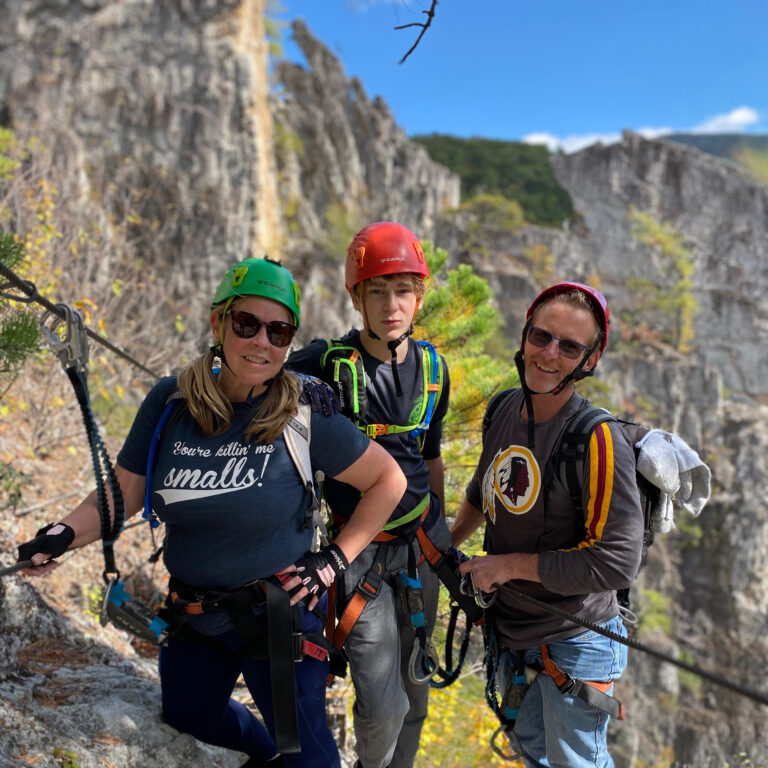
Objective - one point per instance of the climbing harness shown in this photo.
(284, 644)
(343, 368)
(424, 663)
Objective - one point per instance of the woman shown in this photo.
(235, 510)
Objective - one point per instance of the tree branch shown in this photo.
(430, 14)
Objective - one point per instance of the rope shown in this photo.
(29, 288)
(750, 693)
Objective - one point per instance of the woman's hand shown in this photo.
(310, 576)
(50, 542)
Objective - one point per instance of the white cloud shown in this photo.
(735, 121)
(571, 143)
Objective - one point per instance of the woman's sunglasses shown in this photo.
(566, 347)
(246, 326)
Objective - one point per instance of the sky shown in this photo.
(565, 73)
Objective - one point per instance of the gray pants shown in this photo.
(389, 710)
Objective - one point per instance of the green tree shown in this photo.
(457, 316)
(512, 169)
(19, 333)
(665, 303)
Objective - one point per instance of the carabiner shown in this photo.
(72, 350)
(468, 588)
(514, 743)
(430, 655)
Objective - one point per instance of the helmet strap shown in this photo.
(392, 347)
(578, 373)
(527, 392)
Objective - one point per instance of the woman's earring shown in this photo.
(218, 352)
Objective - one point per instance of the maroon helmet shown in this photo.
(596, 300)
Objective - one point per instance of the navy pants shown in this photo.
(197, 682)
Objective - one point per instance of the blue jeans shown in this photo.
(562, 731)
(197, 682)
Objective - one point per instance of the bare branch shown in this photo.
(430, 14)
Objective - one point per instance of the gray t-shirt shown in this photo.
(233, 511)
(583, 557)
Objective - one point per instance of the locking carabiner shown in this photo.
(72, 349)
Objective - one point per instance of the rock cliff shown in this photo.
(168, 106)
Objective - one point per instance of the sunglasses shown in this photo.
(566, 347)
(246, 326)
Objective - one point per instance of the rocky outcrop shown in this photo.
(722, 214)
(342, 158)
(166, 102)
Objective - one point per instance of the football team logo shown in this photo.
(512, 479)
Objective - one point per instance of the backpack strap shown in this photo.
(342, 366)
(297, 436)
(574, 445)
(494, 405)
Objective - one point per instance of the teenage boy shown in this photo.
(397, 390)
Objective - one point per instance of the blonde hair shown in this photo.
(213, 410)
(417, 281)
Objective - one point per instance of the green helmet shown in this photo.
(260, 277)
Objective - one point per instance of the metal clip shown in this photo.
(430, 661)
(468, 588)
(72, 350)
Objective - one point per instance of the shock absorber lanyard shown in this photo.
(72, 351)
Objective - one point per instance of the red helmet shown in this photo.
(596, 299)
(384, 248)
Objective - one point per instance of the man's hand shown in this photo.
(489, 572)
(310, 576)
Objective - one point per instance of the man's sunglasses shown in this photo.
(246, 326)
(566, 347)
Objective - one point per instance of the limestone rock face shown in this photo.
(343, 152)
(168, 102)
(722, 214)
(342, 163)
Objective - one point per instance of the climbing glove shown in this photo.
(53, 540)
(317, 571)
(319, 395)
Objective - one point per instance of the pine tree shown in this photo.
(457, 316)
(19, 332)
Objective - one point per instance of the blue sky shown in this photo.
(561, 72)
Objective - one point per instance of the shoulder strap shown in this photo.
(494, 404)
(297, 435)
(574, 445)
(169, 415)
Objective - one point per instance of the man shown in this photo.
(397, 391)
(539, 541)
